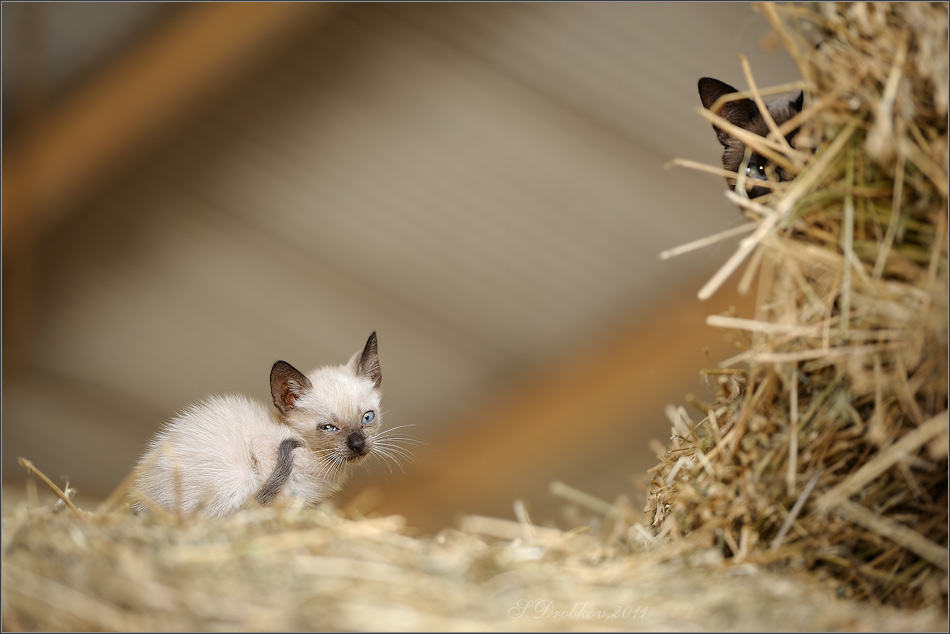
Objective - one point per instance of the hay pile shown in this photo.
(826, 446)
(270, 570)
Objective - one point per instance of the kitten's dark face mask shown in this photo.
(745, 114)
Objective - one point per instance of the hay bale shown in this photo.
(826, 446)
(268, 569)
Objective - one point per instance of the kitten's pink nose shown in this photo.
(356, 443)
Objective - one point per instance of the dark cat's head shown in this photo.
(745, 114)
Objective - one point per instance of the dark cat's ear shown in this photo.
(366, 362)
(798, 103)
(712, 89)
(741, 112)
(287, 384)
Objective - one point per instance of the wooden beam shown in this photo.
(566, 414)
(80, 143)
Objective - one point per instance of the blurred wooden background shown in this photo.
(192, 191)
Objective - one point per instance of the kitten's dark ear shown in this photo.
(739, 113)
(366, 362)
(287, 384)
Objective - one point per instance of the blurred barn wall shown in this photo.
(194, 191)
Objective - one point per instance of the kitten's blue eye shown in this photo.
(328, 427)
(369, 417)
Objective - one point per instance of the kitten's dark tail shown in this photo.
(282, 470)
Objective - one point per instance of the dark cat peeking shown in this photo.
(745, 114)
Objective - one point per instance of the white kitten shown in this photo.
(223, 453)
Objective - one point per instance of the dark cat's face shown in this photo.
(745, 114)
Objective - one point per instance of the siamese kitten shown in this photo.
(745, 114)
(225, 452)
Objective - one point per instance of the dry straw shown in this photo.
(826, 446)
(271, 569)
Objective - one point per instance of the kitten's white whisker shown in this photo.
(396, 451)
(394, 447)
(408, 439)
(386, 457)
(387, 432)
(337, 465)
(394, 440)
(382, 455)
(390, 429)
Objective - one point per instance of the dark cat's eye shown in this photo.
(369, 417)
(328, 427)
(756, 171)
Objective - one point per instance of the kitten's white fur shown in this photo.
(213, 457)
